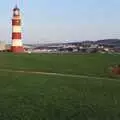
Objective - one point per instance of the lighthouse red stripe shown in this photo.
(17, 49)
(16, 36)
(16, 22)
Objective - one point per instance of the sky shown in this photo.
(45, 21)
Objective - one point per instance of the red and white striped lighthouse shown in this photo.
(17, 45)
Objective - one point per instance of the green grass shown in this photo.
(26, 96)
(94, 64)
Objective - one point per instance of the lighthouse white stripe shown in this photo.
(16, 42)
(16, 29)
(16, 17)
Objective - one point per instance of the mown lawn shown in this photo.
(26, 96)
(92, 64)
(39, 97)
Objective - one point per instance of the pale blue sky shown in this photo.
(61, 20)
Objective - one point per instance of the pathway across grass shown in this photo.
(58, 74)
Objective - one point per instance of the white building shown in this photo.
(2, 46)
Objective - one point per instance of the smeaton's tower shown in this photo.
(17, 45)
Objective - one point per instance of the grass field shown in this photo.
(29, 96)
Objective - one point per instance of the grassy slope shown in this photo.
(35, 97)
(95, 64)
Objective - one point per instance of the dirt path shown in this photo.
(58, 74)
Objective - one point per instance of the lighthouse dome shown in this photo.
(16, 8)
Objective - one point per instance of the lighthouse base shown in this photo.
(17, 49)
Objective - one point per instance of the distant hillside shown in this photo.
(114, 42)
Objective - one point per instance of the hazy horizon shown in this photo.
(59, 21)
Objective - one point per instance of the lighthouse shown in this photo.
(17, 45)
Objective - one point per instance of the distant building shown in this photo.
(2, 46)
